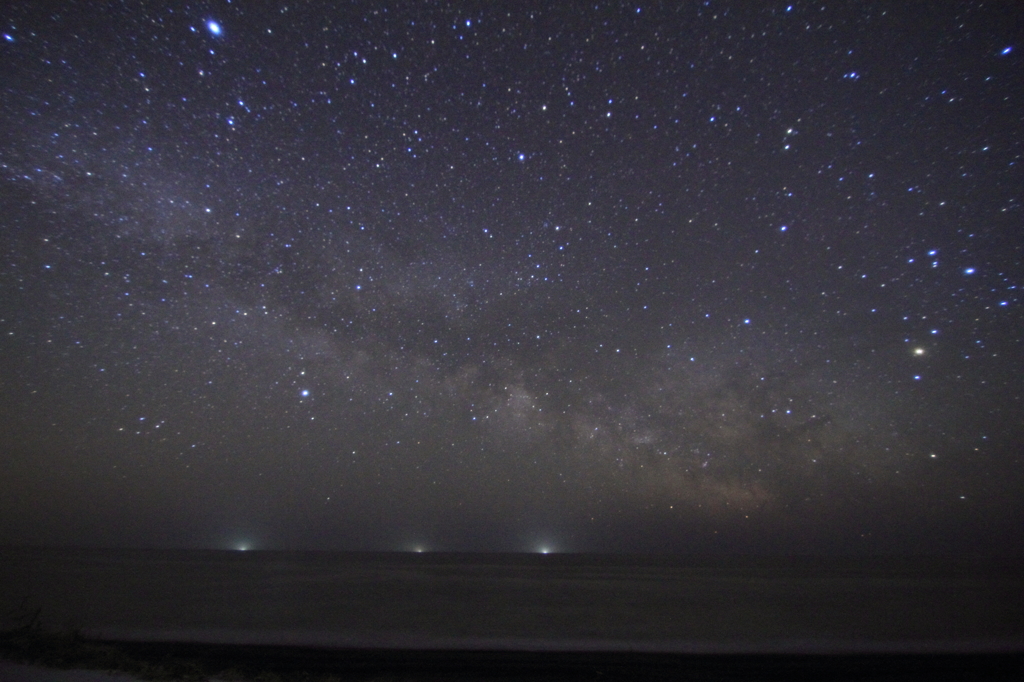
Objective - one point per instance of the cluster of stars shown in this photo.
(529, 273)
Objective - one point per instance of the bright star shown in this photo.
(304, 393)
(213, 27)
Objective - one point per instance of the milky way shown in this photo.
(593, 278)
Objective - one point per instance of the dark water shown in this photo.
(520, 602)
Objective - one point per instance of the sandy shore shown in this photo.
(17, 672)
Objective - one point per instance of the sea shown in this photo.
(519, 602)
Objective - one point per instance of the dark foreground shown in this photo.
(320, 616)
(184, 661)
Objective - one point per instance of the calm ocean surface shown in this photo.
(520, 601)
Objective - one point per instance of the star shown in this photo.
(198, 230)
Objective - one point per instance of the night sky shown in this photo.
(444, 276)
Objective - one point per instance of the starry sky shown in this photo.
(699, 276)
